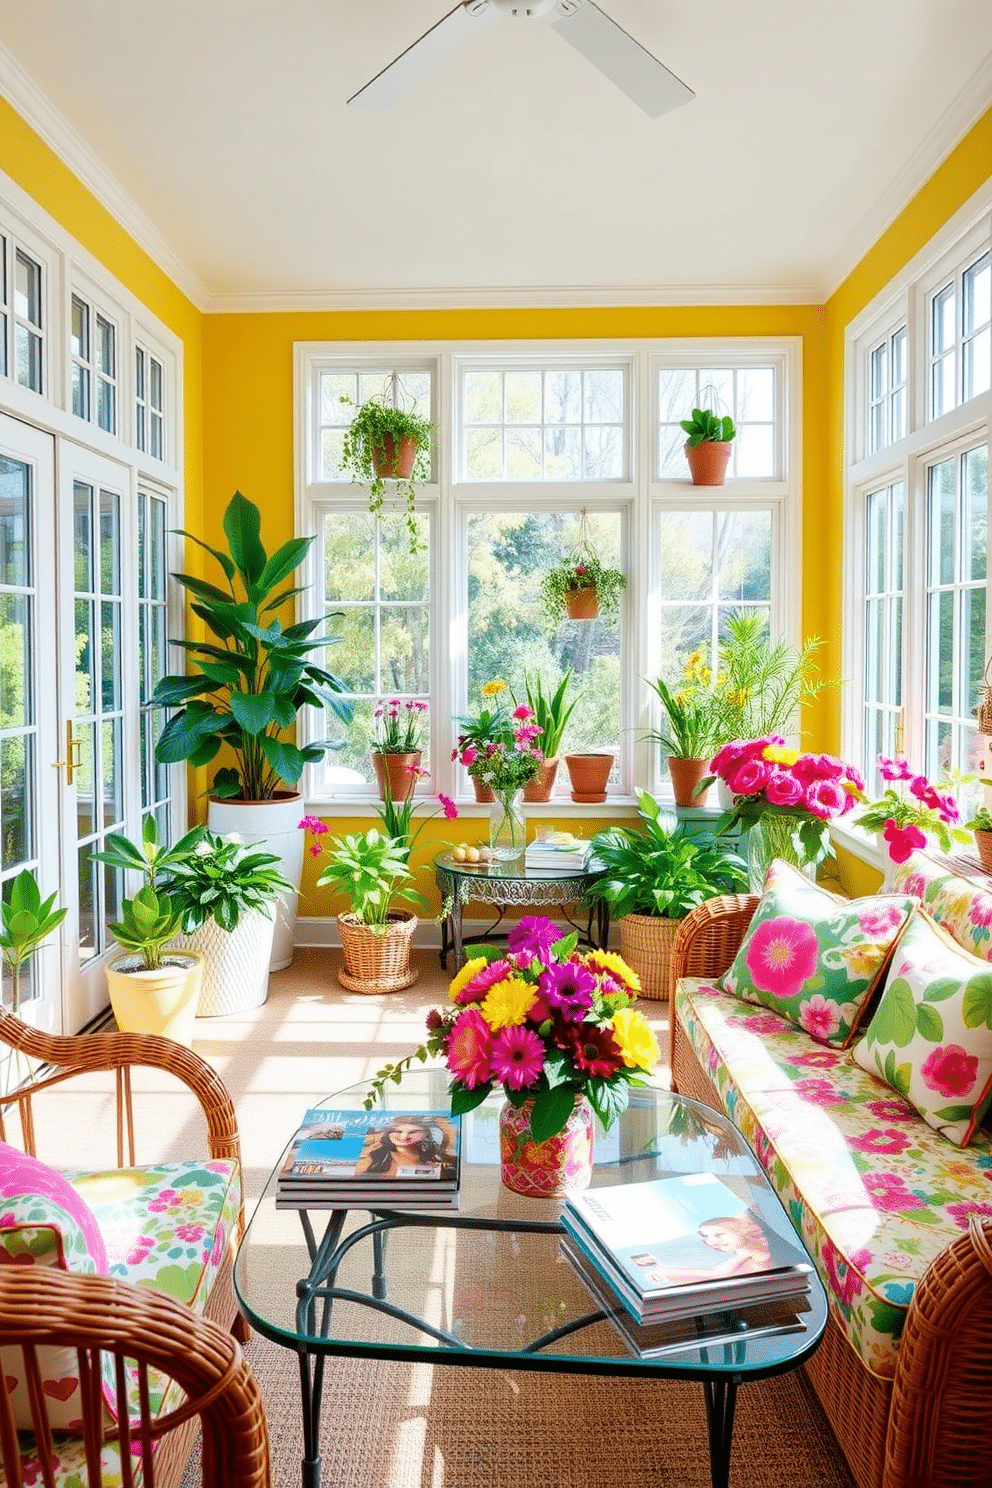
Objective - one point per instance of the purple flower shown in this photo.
(568, 989)
(534, 935)
(517, 1057)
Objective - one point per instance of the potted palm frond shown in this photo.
(652, 878)
(707, 448)
(384, 442)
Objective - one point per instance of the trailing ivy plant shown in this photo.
(582, 569)
(365, 446)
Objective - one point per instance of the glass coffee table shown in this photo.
(508, 884)
(489, 1285)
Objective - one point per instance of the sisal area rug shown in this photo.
(390, 1425)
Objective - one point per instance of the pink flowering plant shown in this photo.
(794, 795)
(399, 726)
(909, 810)
(543, 1020)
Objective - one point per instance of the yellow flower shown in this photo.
(616, 966)
(636, 1042)
(738, 695)
(466, 974)
(777, 754)
(508, 1002)
(493, 688)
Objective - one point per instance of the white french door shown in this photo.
(30, 782)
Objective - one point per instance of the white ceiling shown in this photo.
(516, 173)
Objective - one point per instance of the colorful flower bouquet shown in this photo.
(794, 796)
(546, 1022)
(908, 810)
(399, 726)
(490, 726)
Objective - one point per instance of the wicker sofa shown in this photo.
(907, 1383)
(166, 1231)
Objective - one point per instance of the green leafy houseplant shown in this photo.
(26, 920)
(981, 821)
(247, 684)
(147, 923)
(707, 427)
(372, 450)
(582, 570)
(550, 713)
(657, 871)
(371, 870)
(220, 879)
(692, 727)
(764, 683)
(152, 859)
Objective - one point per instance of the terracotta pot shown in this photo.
(398, 770)
(589, 774)
(483, 793)
(376, 962)
(983, 841)
(542, 789)
(582, 604)
(708, 462)
(685, 775)
(392, 462)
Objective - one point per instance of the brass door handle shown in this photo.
(74, 754)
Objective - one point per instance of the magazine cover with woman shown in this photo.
(371, 1146)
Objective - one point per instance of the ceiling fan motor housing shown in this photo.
(524, 7)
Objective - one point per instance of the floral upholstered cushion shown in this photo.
(960, 905)
(813, 958)
(874, 1192)
(45, 1222)
(931, 1035)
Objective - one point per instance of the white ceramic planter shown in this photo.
(235, 963)
(275, 826)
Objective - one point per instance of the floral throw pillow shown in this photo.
(813, 958)
(44, 1222)
(931, 1035)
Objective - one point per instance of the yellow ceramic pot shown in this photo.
(161, 1001)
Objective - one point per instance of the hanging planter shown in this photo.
(382, 443)
(582, 604)
(581, 586)
(707, 448)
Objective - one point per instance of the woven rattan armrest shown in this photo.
(42, 1306)
(67, 1056)
(708, 939)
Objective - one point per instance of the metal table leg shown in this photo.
(721, 1398)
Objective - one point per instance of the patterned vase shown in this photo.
(774, 837)
(543, 1170)
(507, 830)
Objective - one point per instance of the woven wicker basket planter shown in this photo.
(377, 963)
(646, 943)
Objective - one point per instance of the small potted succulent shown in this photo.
(382, 443)
(582, 587)
(981, 825)
(707, 448)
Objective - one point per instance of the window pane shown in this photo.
(976, 510)
(15, 528)
(743, 555)
(27, 289)
(686, 557)
(942, 514)
(977, 296)
(15, 673)
(105, 354)
(943, 320)
(79, 342)
(552, 423)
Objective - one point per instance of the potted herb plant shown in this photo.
(690, 732)
(582, 587)
(382, 443)
(707, 447)
(652, 878)
(763, 683)
(243, 687)
(981, 825)
(227, 894)
(371, 870)
(550, 714)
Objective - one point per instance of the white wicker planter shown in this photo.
(235, 963)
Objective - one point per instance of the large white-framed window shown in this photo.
(25, 289)
(94, 338)
(537, 445)
(918, 376)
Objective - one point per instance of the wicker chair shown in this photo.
(929, 1426)
(146, 1331)
(56, 1060)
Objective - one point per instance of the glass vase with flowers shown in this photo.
(506, 767)
(784, 801)
(909, 811)
(558, 1029)
(492, 725)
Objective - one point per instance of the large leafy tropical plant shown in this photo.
(246, 685)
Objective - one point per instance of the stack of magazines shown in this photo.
(372, 1160)
(677, 1247)
(554, 849)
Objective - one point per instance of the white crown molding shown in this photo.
(24, 95)
(950, 129)
(559, 297)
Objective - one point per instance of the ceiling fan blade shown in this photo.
(423, 55)
(645, 80)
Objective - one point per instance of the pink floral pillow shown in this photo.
(44, 1222)
(813, 958)
(931, 1035)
